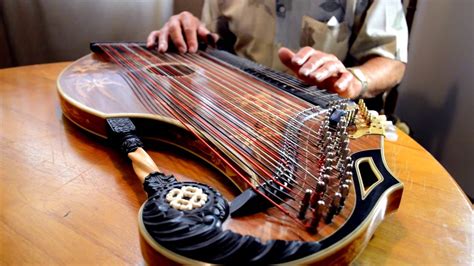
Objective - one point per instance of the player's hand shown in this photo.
(184, 30)
(323, 70)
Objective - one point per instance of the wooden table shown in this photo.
(69, 198)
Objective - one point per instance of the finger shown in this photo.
(212, 39)
(328, 69)
(163, 40)
(343, 83)
(190, 32)
(202, 32)
(176, 34)
(151, 40)
(302, 55)
(315, 62)
(286, 56)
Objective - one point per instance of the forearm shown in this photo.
(382, 74)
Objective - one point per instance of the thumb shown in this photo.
(286, 55)
(206, 36)
(202, 31)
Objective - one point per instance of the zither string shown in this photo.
(297, 165)
(119, 59)
(178, 70)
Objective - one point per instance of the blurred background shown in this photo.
(435, 97)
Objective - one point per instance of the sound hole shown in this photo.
(170, 70)
(368, 176)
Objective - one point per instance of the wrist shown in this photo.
(360, 76)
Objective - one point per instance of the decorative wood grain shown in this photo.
(67, 197)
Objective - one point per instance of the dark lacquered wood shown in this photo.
(69, 198)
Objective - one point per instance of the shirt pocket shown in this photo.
(332, 39)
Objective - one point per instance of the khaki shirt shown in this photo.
(350, 29)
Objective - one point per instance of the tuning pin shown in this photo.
(321, 187)
(342, 120)
(344, 154)
(326, 148)
(331, 155)
(348, 174)
(327, 138)
(343, 106)
(324, 171)
(348, 162)
(322, 134)
(321, 171)
(344, 138)
(330, 159)
(342, 162)
(344, 190)
(327, 132)
(325, 126)
(335, 144)
(341, 176)
(342, 126)
(326, 143)
(325, 179)
(328, 162)
(317, 214)
(347, 181)
(336, 201)
(348, 165)
(305, 204)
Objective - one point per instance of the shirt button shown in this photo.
(281, 10)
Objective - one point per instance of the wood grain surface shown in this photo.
(69, 198)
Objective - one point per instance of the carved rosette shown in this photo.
(198, 233)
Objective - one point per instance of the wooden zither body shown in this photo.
(309, 164)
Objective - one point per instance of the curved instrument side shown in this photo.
(342, 247)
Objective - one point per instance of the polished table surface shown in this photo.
(69, 198)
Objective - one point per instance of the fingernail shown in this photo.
(182, 50)
(306, 72)
(341, 87)
(297, 60)
(319, 76)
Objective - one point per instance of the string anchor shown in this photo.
(336, 201)
(317, 214)
(305, 204)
